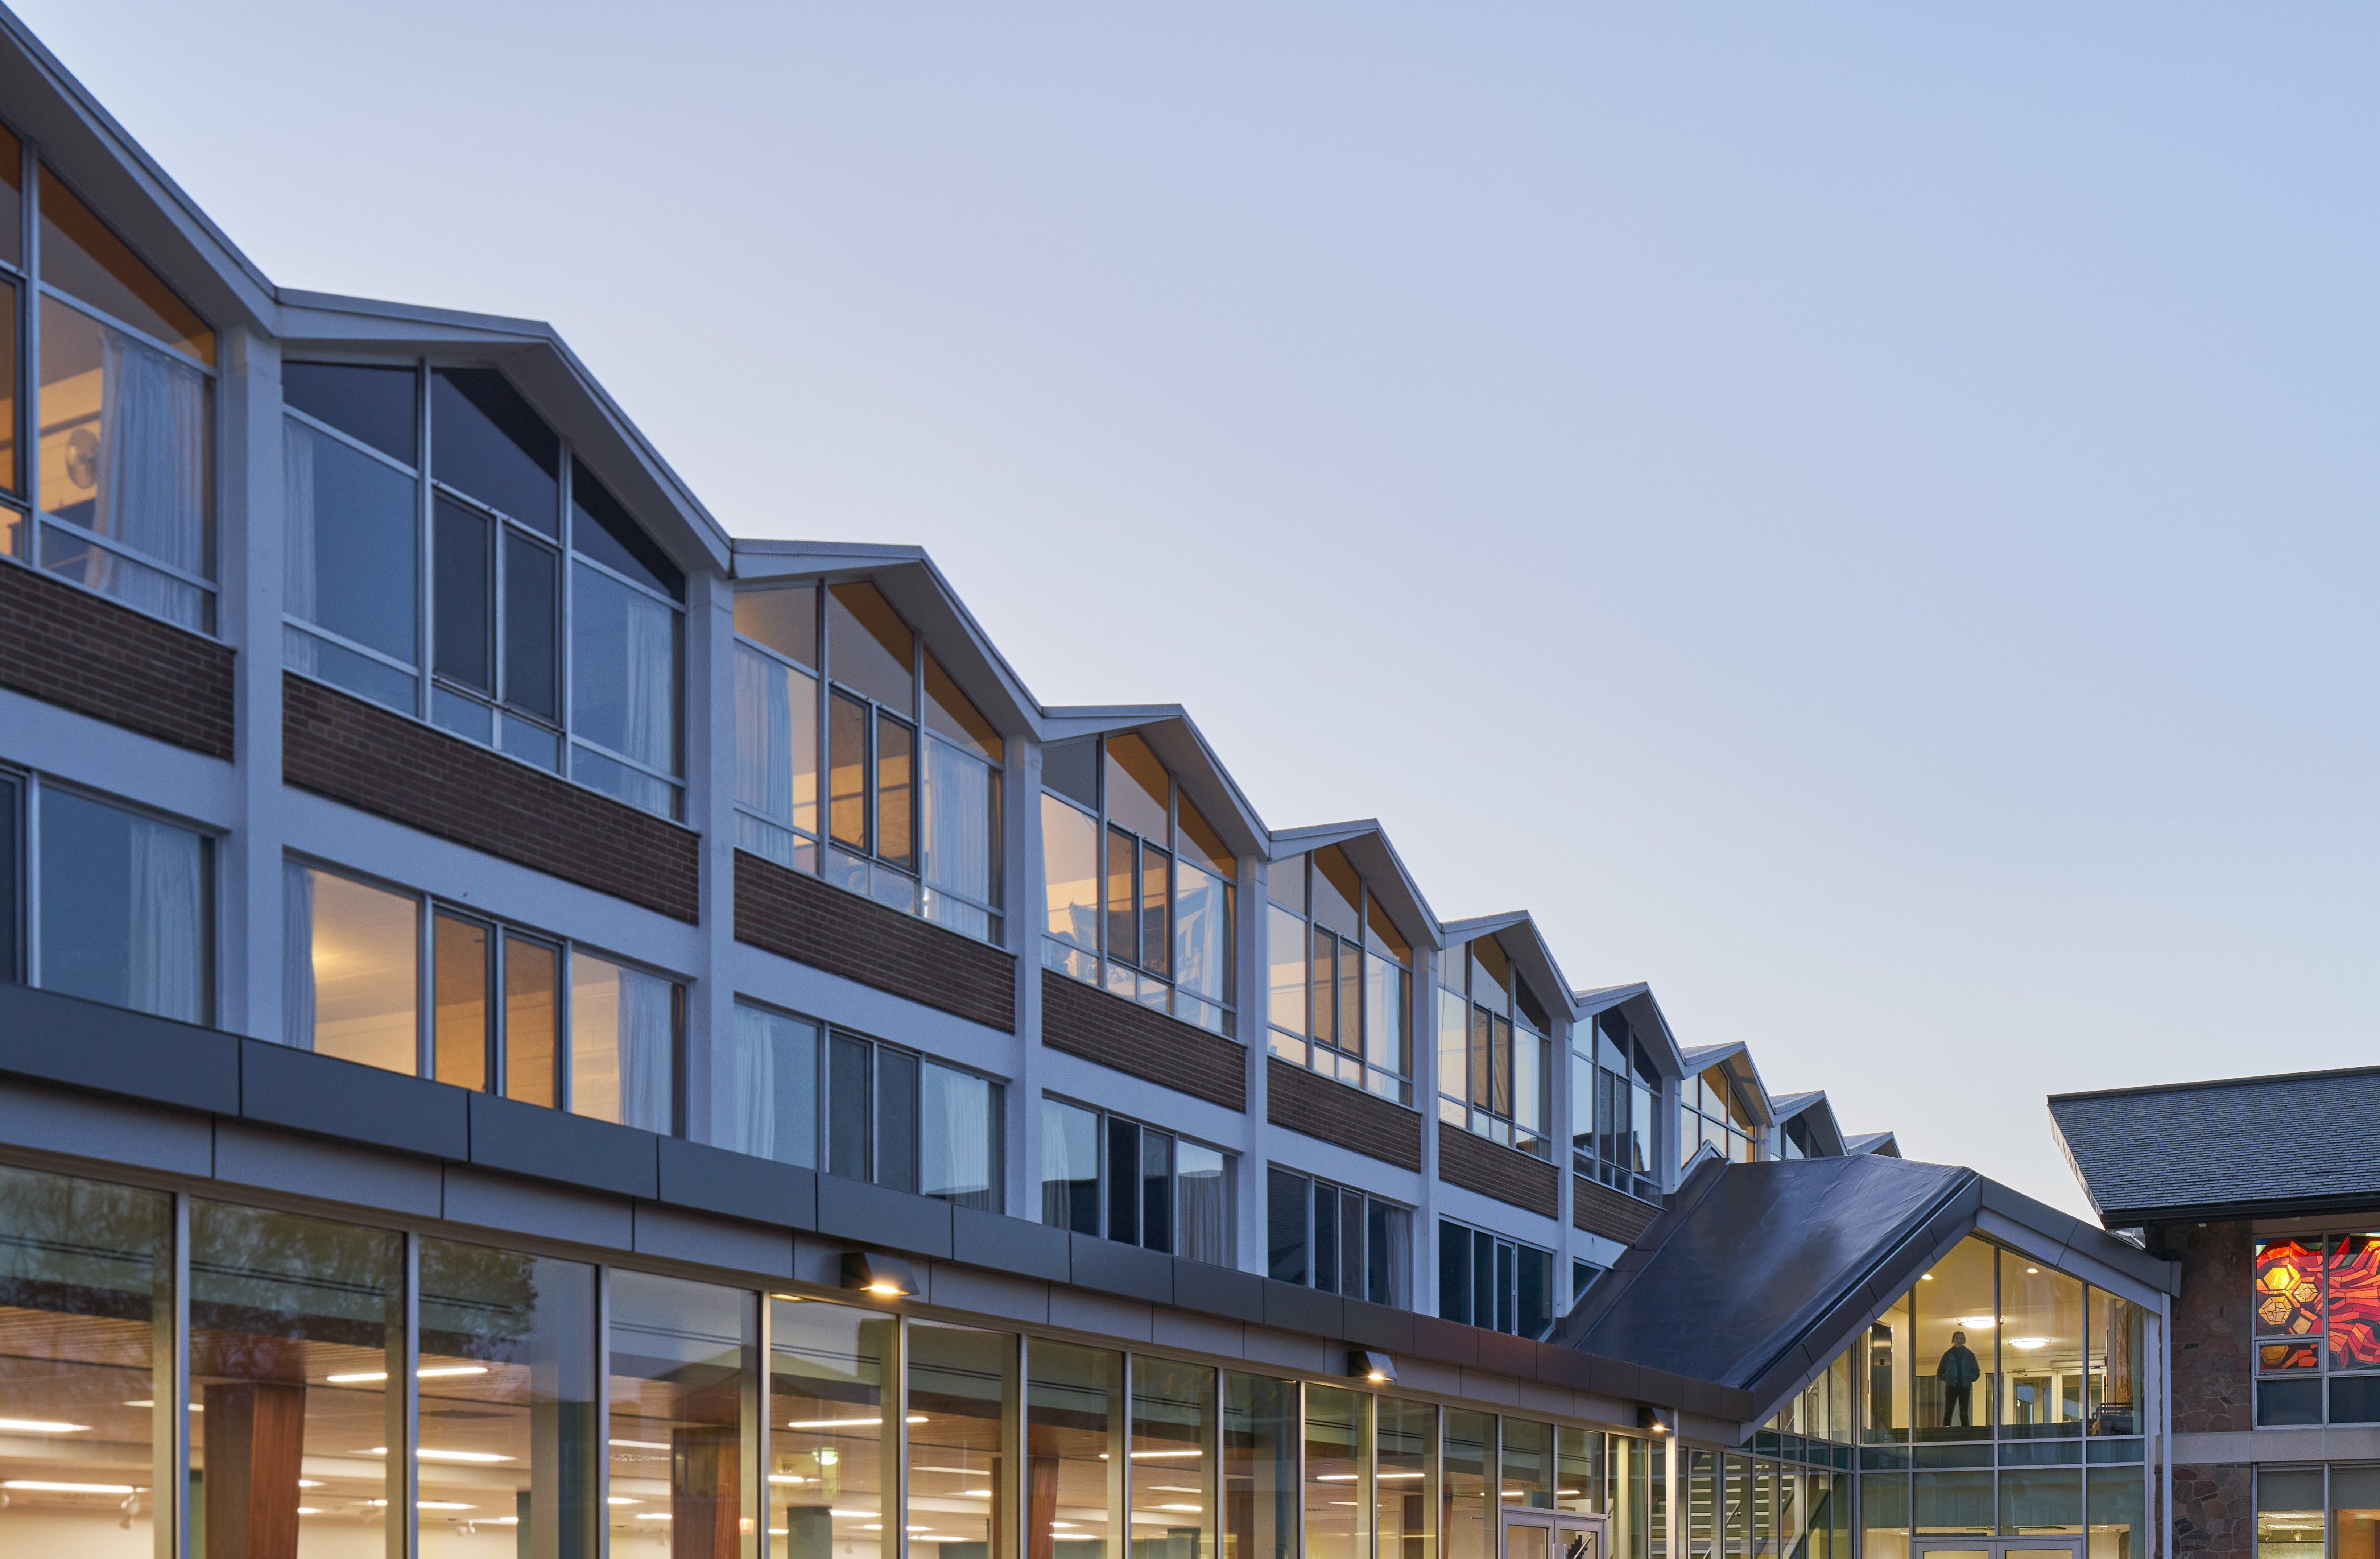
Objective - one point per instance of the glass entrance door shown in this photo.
(1555, 1534)
(1996, 1548)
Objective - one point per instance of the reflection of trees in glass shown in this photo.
(80, 1247)
(477, 1302)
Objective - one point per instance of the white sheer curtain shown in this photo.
(647, 1040)
(1204, 1181)
(298, 596)
(297, 956)
(954, 1136)
(751, 1112)
(152, 474)
(652, 683)
(764, 736)
(165, 973)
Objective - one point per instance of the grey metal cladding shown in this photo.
(870, 1214)
(714, 1179)
(1367, 1324)
(2170, 1154)
(555, 1145)
(1295, 1308)
(84, 1044)
(1007, 1244)
(1218, 1290)
(253, 1156)
(300, 1091)
(1111, 1267)
(59, 1121)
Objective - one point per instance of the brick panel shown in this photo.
(83, 652)
(1476, 1164)
(1598, 1209)
(340, 746)
(1085, 1021)
(796, 915)
(1320, 1106)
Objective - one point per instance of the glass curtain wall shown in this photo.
(1711, 1109)
(1140, 889)
(912, 771)
(684, 1372)
(1999, 1396)
(1340, 990)
(1615, 1090)
(831, 1427)
(1336, 1240)
(1102, 1174)
(552, 628)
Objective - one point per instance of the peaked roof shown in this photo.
(1758, 1275)
(2239, 1147)
(1883, 1144)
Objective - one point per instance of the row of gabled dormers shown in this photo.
(443, 521)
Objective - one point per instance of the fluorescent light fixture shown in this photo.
(1157, 1455)
(152, 1402)
(1190, 1509)
(1178, 1489)
(39, 1426)
(310, 1482)
(1384, 1476)
(1334, 1478)
(962, 1472)
(621, 1499)
(2028, 1345)
(1976, 1322)
(975, 1493)
(308, 1510)
(370, 1377)
(426, 1453)
(641, 1445)
(777, 1477)
(841, 1423)
(851, 1513)
(428, 1504)
(41, 1486)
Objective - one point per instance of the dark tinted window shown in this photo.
(600, 528)
(9, 813)
(531, 640)
(375, 404)
(463, 568)
(1455, 1271)
(896, 1120)
(1072, 768)
(484, 441)
(1285, 1208)
(847, 1108)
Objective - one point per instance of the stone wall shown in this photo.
(2213, 1510)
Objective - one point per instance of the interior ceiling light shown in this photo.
(2028, 1344)
(39, 1426)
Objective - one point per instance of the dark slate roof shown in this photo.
(1759, 1272)
(2241, 1147)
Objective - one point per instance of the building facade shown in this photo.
(529, 1025)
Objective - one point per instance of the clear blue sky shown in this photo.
(1863, 516)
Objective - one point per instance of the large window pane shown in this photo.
(463, 603)
(79, 254)
(348, 556)
(1884, 1363)
(685, 1358)
(1957, 1330)
(12, 198)
(1070, 1167)
(1173, 1459)
(1074, 1474)
(87, 1304)
(462, 956)
(846, 749)
(958, 1134)
(1259, 1471)
(486, 441)
(532, 608)
(624, 669)
(1285, 937)
(827, 1408)
(959, 827)
(377, 406)
(1336, 1499)
(896, 791)
(896, 1119)
(350, 985)
(2120, 1530)
(1137, 788)
(1388, 1255)
(848, 1066)
(1202, 1176)
(623, 1044)
(1070, 853)
(868, 647)
(1404, 1437)
(1124, 921)
(771, 1085)
(603, 528)
(296, 1325)
(1466, 1486)
(532, 1021)
(10, 478)
(954, 715)
(123, 908)
(2115, 1330)
(776, 741)
(961, 1382)
(1286, 1197)
(1202, 933)
(785, 620)
(126, 452)
(509, 1380)
(2041, 1316)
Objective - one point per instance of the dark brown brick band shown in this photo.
(1085, 1021)
(1476, 1164)
(369, 758)
(1321, 1106)
(83, 652)
(1598, 1209)
(794, 915)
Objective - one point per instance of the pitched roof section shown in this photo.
(1882, 1144)
(2239, 1147)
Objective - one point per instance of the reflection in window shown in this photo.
(1341, 982)
(1712, 1109)
(297, 1326)
(121, 905)
(1072, 1440)
(773, 1088)
(87, 1300)
(349, 971)
(1465, 1486)
(1337, 1431)
(1493, 1054)
(1141, 898)
(1405, 1435)
(827, 1411)
(349, 566)
(1137, 1185)
(960, 1382)
(508, 1403)
(1487, 1281)
(1173, 1427)
(889, 1116)
(1339, 1241)
(623, 1044)
(685, 1359)
(124, 475)
(1259, 1466)
(1615, 1088)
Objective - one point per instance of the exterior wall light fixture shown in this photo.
(872, 1272)
(1657, 1420)
(1373, 1365)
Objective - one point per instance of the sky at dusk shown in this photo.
(1864, 516)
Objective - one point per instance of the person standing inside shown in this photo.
(1958, 1373)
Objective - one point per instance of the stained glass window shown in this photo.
(2353, 1274)
(2288, 1305)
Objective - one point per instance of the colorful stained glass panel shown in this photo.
(2287, 1305)
(2354, 1282)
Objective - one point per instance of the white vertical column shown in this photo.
(1424, 1237)
(1025, 891)
(1255, 1006)
(710, 808)
(249, 549)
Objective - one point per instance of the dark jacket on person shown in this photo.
(1959, 1369)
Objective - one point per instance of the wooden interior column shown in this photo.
(706, 1490)
(255, 1439)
